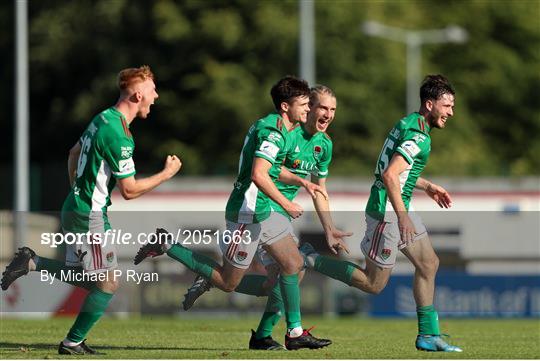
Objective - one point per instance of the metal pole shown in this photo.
(307, 41)
(414, 67)
(21, 122)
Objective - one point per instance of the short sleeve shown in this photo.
(119, 157)
(324, 162)
(413, 145)
(269, 143)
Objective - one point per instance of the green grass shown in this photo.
(354, 338)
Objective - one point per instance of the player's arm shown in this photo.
(131, 188)
(288, 177)
(390, 177)
(261, 178)
(435, 192)
(73, 159)
(334, 236)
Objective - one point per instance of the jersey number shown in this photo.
(86, 141)
(384, 157)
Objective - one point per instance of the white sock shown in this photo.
(69, 343)
(295, 332)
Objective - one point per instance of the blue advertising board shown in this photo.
(464, 295)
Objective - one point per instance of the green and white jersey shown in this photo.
(308, 155)
(106, 155)
(268, 138)
(409, 138)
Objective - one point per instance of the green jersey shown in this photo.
(308, 155)
(268, 138)
(106, 155)
(409, 138)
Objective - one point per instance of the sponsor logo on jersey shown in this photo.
(317, 150)
(274, 136)
(395, 133)
(386, 252)
(411, 148)
(110, 256)
(126, 166)
(297, 150)
(269, 149)
(126, 152)
(241, 255)
(304, 165)
(419, 138)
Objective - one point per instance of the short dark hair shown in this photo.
(288, 88)
(434, 87)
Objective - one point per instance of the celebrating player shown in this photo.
(249, 216)
(100, 159)
(392, 224)
(310, 154)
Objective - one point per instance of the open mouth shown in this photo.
(322, 123)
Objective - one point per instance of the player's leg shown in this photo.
(379, 246)
(287, 256)
(93, 257)
(274, 309)
(423, 257)
(26, 260)
(238, 247)
(220, 276)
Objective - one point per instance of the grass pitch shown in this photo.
(354, 338)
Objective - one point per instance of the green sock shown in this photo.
(197, 263)
(272, 313)
(428, 320)
(92, 309)
(56, 267)
(252, 285)
(334, 268)
(291, 299)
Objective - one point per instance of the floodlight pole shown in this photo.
(21, 164)
(307, 41)
(414, 40)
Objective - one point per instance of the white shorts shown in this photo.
(240, 249)
(382, 240)
(264, 257)
(91, 256)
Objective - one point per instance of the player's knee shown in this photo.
(229, 286)
(293, 265)
(429, 267)
(109, 286)
(376, 287)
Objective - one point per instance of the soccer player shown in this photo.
(310, 154)
(249, 216)
(391, 224)
(100, 159)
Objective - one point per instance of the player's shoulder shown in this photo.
(270, 122)
(112, 127)
(414, 122)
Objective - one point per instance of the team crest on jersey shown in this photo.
(296, 163)
(241, 255)
(110, 256)
(386, 252)
(317, 150)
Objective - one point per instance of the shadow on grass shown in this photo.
(7, 346)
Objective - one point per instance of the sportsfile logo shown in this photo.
(120, 237)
